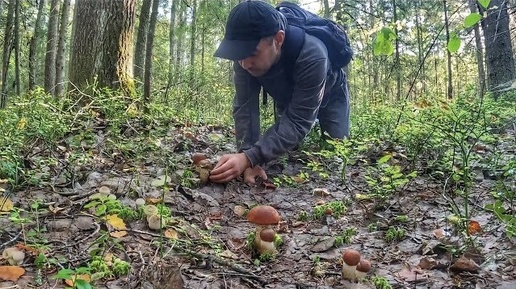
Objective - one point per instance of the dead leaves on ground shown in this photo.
(11, 273)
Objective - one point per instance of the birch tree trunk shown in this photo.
(34, 44)
(61, 48)
(6, 55)
(17, 47)
(193, 36)
(448, 53)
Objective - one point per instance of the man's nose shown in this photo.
(245, 63)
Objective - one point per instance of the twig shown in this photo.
(12, 240)
(223, 262)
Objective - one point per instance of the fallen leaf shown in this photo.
(55, 210)
(427, 263)
(439, 233)
(171, 234)
(71, 282)
(118, 234)
(216, 216)
(229, 254)
(116, 222)
(11, 273)
(411, 275)
(6, 205)
(320, 192)
(108, 258)
(474, 227)
(153, 201)
(465, 264)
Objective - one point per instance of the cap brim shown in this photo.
(236, 49)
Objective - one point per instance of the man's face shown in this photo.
(266, 54)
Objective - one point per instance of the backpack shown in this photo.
(329, 32)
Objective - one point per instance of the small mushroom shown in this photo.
(266, 245)
(150, 210)
(155, 222)
(262, 216)
(197, 157)
(13, 255)
(362, 268)
(350, 258)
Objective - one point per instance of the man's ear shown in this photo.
(279, 38)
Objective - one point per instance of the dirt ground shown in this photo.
(209, 250)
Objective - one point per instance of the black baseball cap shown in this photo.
(248, 22)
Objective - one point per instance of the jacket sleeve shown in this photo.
(246, 109)
(299, 116)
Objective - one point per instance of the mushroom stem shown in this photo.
(257, 238)
(267, 248)
(348, 272)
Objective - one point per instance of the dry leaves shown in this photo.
(171, 234)
(118, 234)
(116, 222)
(474, 227)
(465, 264)
(11, 273)
(71, 282)
(6, 205)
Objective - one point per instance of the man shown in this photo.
(258, 39)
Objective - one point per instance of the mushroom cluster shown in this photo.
(354, 267)
(154, 219)
(263, 217)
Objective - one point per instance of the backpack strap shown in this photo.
(294, 41)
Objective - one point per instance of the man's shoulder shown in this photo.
(313, 48)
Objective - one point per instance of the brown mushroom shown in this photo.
(362, 268)
(350, 258)
(262, 216)
(197, 157)
(266, 245)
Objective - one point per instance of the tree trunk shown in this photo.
(148, 55)
(50, 54)
(448, 53)
(141, 39)
(61, 48)
(116, 71)
(6, 55)
(497, 39)
(180, 36)
(420, 52)
(480, 52)
(171, 37)
(34, 44)
(326, 6)
(17, 47)
(85, 44)
(193, 36)
(397, 64)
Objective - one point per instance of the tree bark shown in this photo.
(34, 44)
(85, 44)
(497, 39)
(397, 64)
(116, 71)
(141, 39)
(479, 52)
(6, 55)
(326, 6)
(171, 41)
(17, 47)
(448, 53)
(50, 54)
(148, 55)
(180, 37)
(193, 36)
(61, 48)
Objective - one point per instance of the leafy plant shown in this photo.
(346, 236)
(335, 208)
(380, 282)
(394, 234)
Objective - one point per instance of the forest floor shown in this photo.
(408, 234)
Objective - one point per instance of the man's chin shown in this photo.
(256, 73)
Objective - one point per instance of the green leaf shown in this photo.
(484, 3)
(383, 42)
(472, 19)
(100, 210)
(384, 159)
(454, 43)
(64, 274)
(82, 284)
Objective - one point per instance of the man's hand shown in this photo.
(229, 167)
(250, 175)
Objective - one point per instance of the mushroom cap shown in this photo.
(205, 164)
(18, 256)
(263, 215)
(364, 266)
(197, 157)
(351, 257)
(267, 235)
(8, 252)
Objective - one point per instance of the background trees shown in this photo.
(401, 47)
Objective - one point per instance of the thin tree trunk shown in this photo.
(17, 47)
(34, 44)
(180, 36)
(8, 46)
(397, 64)
(141, 39)
(420, 51)
(448, 53)
(171, 52)
(61, 48)
(193, 36)
(148, 55)
(480, 51)
(50, 54)
(203, 38)
(326, 6)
